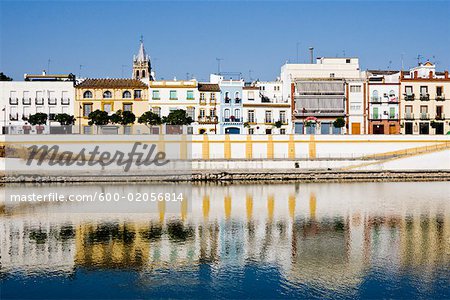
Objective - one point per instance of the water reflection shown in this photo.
(318, 240)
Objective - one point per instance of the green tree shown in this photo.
(150, 119)
(122, 117)
(98, 118)
(177, 117)
(339, 122)
(38, 119)
(65, 119)
(278, 124)
(3, 77)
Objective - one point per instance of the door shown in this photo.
(356, 128)
(392, 129)
(424, 128)
(378, 129)
(408, 128)
(232, 130)
(439, 127)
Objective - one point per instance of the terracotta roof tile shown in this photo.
(208, 87)
(111, 83)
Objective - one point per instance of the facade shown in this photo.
(209, 97)
(231, 109)
(383, 90)
(425, 104)
(166, 96)
(264, 109)
(320, 93)
(110, 95)
(50, 94)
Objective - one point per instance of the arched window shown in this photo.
(227, 96)
(237, 113)
(107, 94)
(226, 113)
(87, 94)
(137, 73)
(126, 94)
(143, 73)
(375, 96)
(237, 96)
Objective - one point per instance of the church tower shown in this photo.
(142, 68)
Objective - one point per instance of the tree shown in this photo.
(339, 122)
(98, 118)
(150, 119)
(122, 117)
(178, 117)
(3, 77)
(38, 119)
(278, 124)
(65, 119)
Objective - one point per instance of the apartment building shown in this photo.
(209, 98)
(109, 95)
(45, 93)
(383, 90)
(424, 105)
(265, 110)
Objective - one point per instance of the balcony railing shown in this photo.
(375, 99)
(232, 120)
(440, 117)
(13, 101)
(227, 100)
(424, 97)
(440, 97)
(409, 97)
(207, 120)
(26, 101)
(25, 117)
(237, 100)
(375, 117)
(14, 117)
(65, 101)
(52, 101)
(424, 116)
(409, 116)
(268, 121)
(39, 101)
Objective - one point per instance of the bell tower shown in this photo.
(142, 68)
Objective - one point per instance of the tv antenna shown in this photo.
(419, 57)
(218, 65)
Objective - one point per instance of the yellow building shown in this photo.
(109, 95)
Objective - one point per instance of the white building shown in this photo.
(265, 110)
(50, 94)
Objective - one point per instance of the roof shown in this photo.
(111, 83)
(250, 88)
(208, 87)
(383, 72)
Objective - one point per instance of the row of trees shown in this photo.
(102, 118)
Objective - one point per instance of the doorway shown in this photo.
(424, 128)
(439, 127)
(408, 128)
(378, 129)
(356, 128)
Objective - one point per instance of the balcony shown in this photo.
(227, 100)
(440, 117)
(409, 116)
(393, 117)
(375, 117)
(52, 101)
(409, 97)
(237, 100)
(319, 113)
(268, 121)
(39, 101)
(375, 99)
(26, 101)
(232, 119)
(14, 117)
(207, 120)
(424, 116)
(13, 101)
(424, 97)
(440, 97)
(25, 117)
(65, 101)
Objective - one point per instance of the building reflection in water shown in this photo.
(324, 234)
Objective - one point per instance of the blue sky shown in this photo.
(188, 36)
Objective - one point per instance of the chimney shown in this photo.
(430, 75)
(44, 73)
(311, 51)
(446, 74)
(416, 74)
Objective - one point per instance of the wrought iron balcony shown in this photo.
(424, 116)
(26, 101)
(52, 101)
(237, 100)
(14, 117)
(65, 101)
(424, 97)
(409, 97)
(231, 119)
(39, 101)
(440, 97)
(13, 101)
(375, 99)
(409, 116)
(207, 120)
(440, 117)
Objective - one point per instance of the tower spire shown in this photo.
(141, 63)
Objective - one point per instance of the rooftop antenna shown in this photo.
(48, 66)
(418, 59)
(218, 65)
(311, 53)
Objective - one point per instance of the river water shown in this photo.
(339, 240)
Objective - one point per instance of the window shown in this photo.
(355, 106)
(331, 75)
(251, 95)
(190, 95)
(155, 95)
(39, 98)
(190, 112)
(137, 94)
(227, 97)
(347, 61)
(251, 131)
(52, 98)
(87, 109)
(173, 95)
(237, 96)
(237, 114)
(127, 107)
(355, 89)
(375, 113)
(439, 90)
(87, 94)
(391, 112)
(13, 98)
(137, 73)
(226, 114)
(107, 95)
(423, 109)
(157, 110)
(283, 116)
(408, 90)
(65, 98)
(282, 131)
(251, 116)
(107, 107)
(375, 97)
(202, 97)
(26, 112)
(52, 113)
(212, 97)
(212, 112)
(26, 100)
(87, 129)
(423, 90)
(126, 95)
(13, 115)
(202, 113)
(268, 118)
(268, 131)
(143, 73)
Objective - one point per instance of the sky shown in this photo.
(252, 37)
